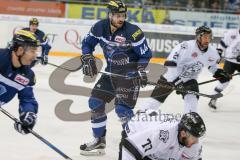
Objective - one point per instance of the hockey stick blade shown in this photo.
(36, 135)
(185, 91)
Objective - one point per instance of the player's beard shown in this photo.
(184, 142)
(33, 30)
(201, 46)
(117, 25)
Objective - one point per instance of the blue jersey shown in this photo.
(43, 40)
(16, 81)
(139, 54)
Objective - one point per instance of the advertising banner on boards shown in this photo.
(213, 20)
(33, 8)
(163, 16)
(66, 36)
(138, 15)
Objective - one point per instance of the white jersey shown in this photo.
(187, 61)
(156, 137)
(231, 45)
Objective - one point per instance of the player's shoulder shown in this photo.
(167, 132)
(184, 45)
(99, 26)
(39, 32)
(133, 31)
(131, 27)
(4, 55)
(213, 52)
(26, 28)
(232, 33)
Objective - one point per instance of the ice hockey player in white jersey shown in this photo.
(184, 64)
(162, 140)
(230, 46)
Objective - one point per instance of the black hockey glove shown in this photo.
(178, 84)
(222, 75)
(27, 121)
(139, 78)
(220, 52)
(89, 65)
(238, 58)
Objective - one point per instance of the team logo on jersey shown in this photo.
(21, 79)
(184, 45)
(136, 34)
(194, 55)
(191, 70)
(120, 39)
(164, 136)
(210, 59)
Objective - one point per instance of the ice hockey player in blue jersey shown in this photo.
(33, 27)
(17, 78)
(127, 53)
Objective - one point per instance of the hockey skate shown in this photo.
(212, 104)
(94, 148)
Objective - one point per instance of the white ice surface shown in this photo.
(221, 142)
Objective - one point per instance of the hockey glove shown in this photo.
(89, 65)
(178, 84)
(238, 58)
(138, 78)
(220, 52)
(27, 121)
(222, 75)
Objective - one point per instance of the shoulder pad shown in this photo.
(26, 29)
(135, 32)
(97, 28)
(44, 37)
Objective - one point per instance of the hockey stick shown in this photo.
(212, 80)
(167, 86)
(187, 91)
(112, 74)
(67, 69)
(228, 57)
(36, 135)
